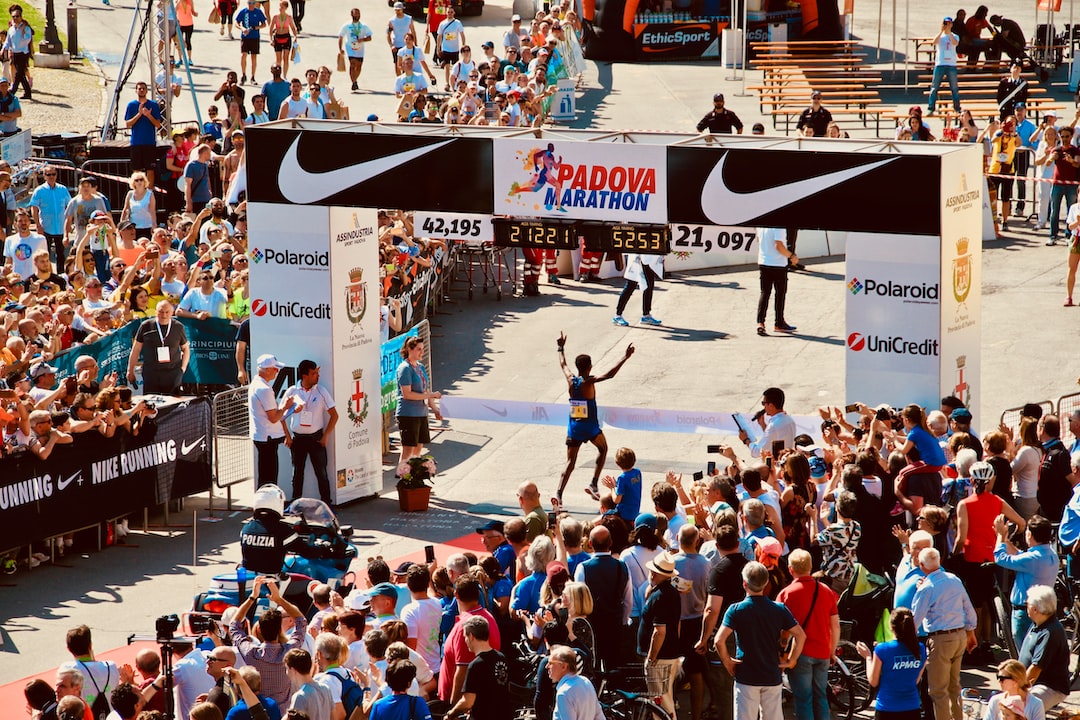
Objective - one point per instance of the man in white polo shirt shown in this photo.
(267, 428)
(310, 427)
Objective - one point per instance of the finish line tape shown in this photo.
(618, 418)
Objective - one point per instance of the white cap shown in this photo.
(265, 362)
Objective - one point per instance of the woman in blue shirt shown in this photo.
(894, 668)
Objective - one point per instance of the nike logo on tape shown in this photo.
(64, 482)
(500, 413)
(299, 186)
(186, 447)
(724, 206)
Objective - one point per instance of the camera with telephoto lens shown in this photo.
(165, 627)
(201, 624)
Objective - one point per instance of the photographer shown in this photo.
(1066, 161)
(267, 657)
(189, 676)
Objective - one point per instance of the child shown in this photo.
(626, 490)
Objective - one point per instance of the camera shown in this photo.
(201, 624)
(149, 405)
(166, 626)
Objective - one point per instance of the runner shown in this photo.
(584, 424)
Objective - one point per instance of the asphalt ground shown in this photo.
(705, 356)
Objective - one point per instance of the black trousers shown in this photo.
(298, 8)
(646, 298)
(162, 382)
(22, 64)
(772, 278)
(266, 466)
(1021, 164)
(56, 242)
(303, 447)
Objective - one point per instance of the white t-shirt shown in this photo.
(261, 400)
(1074, 213)
(450, 35)
(461, 71)
(105, 674)
(946, 49)
(21, 251)
(351, 34)
(768, 255)
(312, 416)
(423, 618)
(358, 656)
(410, 83)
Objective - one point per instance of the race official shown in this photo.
(720, 120)
(167, 352)
(309, 428)
(267, 428)
(815, 116)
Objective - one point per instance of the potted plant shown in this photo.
(414, 492)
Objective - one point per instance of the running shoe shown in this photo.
(553, 279)
(785, 328)
(592, 491)
(620, 321)
(650, 320)
(761, 331)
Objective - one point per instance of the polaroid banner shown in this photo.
(354, 288)
(614, 182)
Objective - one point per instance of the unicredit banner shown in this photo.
(580, 180)
(373, 170)
(812, 190)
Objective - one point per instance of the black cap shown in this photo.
(403, 567)
(496, 525)
(88, 179)
(718, 97)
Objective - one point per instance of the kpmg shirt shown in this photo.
(1037, 566)
(312, 416)
(942, 603)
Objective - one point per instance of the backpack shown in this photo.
(100, 707)
(352, 695)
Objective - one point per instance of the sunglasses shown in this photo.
(50, 174)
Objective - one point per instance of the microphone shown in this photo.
(758, 414)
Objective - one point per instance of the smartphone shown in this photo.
(711, 467)
(777, 447)
(768, 461)
(851, 408)
(429, 554)
(553, 519)
(698, 475)
(713, 448)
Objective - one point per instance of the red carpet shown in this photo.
(12, 700)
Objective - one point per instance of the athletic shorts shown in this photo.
(414, 431)
(249, 46)
(448, 58)
(143, 157)
(1004, 186)
(578, 442)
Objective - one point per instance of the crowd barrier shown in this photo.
(97, 479)
(1062, 407)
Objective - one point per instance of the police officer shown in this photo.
(720, 120)
(265, 538)
(267, 429)
(310, 427)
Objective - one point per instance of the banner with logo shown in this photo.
(290, 302)
(892, 308)
(97, 478)
(580, 180)
(390, 358)
(213, 352)
(660, 41)
(308, 167)
(785, 188)
(961, 277)
(354, 288)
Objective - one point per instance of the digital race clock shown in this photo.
(548, 234)
(625, 238)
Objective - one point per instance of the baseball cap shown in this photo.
(718, 97)
(490, 525)
(1020, 104)
(266, 362)
(815, 94)
(555, 568)
(818, 468)
(373, 118)
(385, 589)
(770, 546)
(487, 44)
(645, 520)
(1049, 113)
(99, 215)
(403, 567)
(961, 415)
(946, 19)
(14, 307)
(399, 6)
(515, 18)
(126, 225)
(4, 80)
(88, 179)
(42, 369)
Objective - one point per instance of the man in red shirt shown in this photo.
(813, 604)
(1066, 161)
(456, 653)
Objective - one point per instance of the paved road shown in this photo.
(704, 357)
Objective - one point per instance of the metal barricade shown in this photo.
(1011, 417)
(1066, 405)
(234, 455)
(1025, 192)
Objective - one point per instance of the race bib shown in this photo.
(163, 355)
(579, 410)
(1003, 158)
(450, 36)
(356, 45)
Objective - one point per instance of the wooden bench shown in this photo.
(863, 113)
(840, 61)
(845, 101)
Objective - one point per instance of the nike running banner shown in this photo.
(812, 190)
(372, 170)
(213, 349)
(97, 478)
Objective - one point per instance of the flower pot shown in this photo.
(414, 499)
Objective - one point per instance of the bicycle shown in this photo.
(972, 703)
(1002, 612)
(619, 704)
(848, 686)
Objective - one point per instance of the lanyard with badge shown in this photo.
(306, 415)
(163, 354)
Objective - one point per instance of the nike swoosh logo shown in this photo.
(299, 186)
(185, 448)
(64, 482)
(500, 413)
(724, 206)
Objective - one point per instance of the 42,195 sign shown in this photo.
(453, 226)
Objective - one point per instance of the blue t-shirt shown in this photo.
(275, 92)
(757, 622)
(143, 131)
(400, 707)
(239, 711)
(628, 485)
(506, 556)
(417, 382)
(898, 690)
(249, 21)
(528, 593)
(930, 451)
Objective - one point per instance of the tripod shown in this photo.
(166, 645)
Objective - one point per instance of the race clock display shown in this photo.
(547, 234)
(627, 238)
